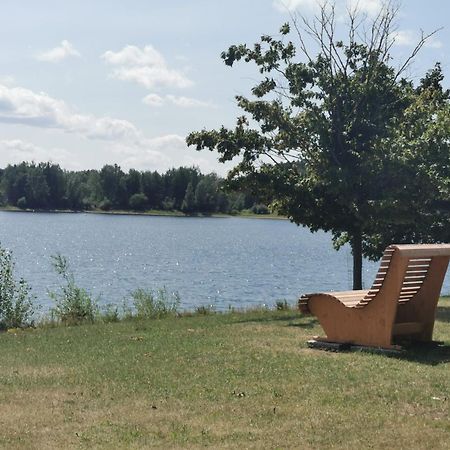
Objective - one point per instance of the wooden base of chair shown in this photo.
(324, 344)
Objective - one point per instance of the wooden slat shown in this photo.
(410, 288)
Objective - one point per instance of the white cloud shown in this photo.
(153, 100)
(404, 38)
(180, 101)
(23, 106)
(408, 38)
(14, 151)
(188, 102)
(165, 152)
(433, 43)
(7, 80)
(146, 67)
(120, 140)
(63, 51)
(293, 5)
(369, 7)
(134, 56)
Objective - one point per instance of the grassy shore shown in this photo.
(151, 212)
(237, 380)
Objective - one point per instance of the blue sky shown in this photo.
(88, 83)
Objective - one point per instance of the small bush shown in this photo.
(150, 304)
(260, 209)
(138, 202)
(74, 305)
(168, 204)
(204, 310)
(16, 302)
(282, 305)
(110, 313)
(22, 203)
(105, 205)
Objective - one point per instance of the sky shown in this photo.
(86, 83)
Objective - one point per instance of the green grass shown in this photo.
(238, 380)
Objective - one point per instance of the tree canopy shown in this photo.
(339, 137)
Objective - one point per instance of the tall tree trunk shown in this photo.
(356, 244)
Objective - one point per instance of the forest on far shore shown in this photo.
(46, 186)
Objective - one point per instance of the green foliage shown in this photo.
(337, 139)
(47, 186)
(204, 310)
(260, 209)
(168, 204)
(110, 313)
(138, 202)
(189, 205)
(22, 203)
(16, 302)
(105, 205)
(282, 305)
(149, 304)
(206, 194)
(73, 305)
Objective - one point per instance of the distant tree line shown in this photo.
(46, 186)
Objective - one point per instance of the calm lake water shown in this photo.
(221, 262)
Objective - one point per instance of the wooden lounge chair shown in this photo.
(400, 304)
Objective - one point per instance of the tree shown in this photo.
(112, 182)
(206, 193)
(14, 181)
(56, 182)
(36, 189)
(177, 181)
(138, 202)
(133, 182)
(323, 135)
(188, 206)
(153, 188)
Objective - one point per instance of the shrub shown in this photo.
(149, 304)
(22, 203)
(110, 313)
(16, 302)
(105, 205)
(138, 202)
(260, 209)
(74, 305)
(168, 204)
(282, 305)
(204, 310)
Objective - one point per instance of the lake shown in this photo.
(218, 262)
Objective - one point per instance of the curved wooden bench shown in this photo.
(401, 302)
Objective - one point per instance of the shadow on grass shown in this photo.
(443, 314)
(426, 354)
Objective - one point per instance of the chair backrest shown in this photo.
(419, 259)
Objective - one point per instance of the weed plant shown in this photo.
(16, 301)
(110, 313)
(204, 310)
(150, 304)
(73, 305)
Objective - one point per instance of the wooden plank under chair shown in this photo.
(400, 305)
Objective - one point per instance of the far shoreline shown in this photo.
(152, 212)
